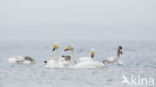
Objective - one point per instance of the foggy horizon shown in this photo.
(78, 20)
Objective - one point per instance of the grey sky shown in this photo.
(78, 19)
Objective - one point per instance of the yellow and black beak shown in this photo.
(68, 48)
(54, 47)
(92, 54)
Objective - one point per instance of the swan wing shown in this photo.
(53, 64)
(110, 59)
(84, 65)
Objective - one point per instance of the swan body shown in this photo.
(61, 60)
(55, 63)
(110, 60)
(16, 60)
(89, 64)
(84, 59)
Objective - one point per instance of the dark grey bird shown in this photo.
(29, 60)
(67, 58)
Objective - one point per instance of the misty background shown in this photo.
(77, 20)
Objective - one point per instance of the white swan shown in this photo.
(16, 60)
(84, 59)
(55, 63)
(115, 59)
(87, 64)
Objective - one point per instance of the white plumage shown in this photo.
(86, 63)
(54, 64)
(16, 60)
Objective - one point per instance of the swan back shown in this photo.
(89, 64)
(54, 64)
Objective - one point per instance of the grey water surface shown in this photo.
(139, 59)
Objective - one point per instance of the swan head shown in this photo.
(56, 46)
(29, 58)
(120, 49)
(70, 47)
(92, 52)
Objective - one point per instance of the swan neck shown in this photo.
(72, 58)
(118, 54)
(92, 57)
(56, 56)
